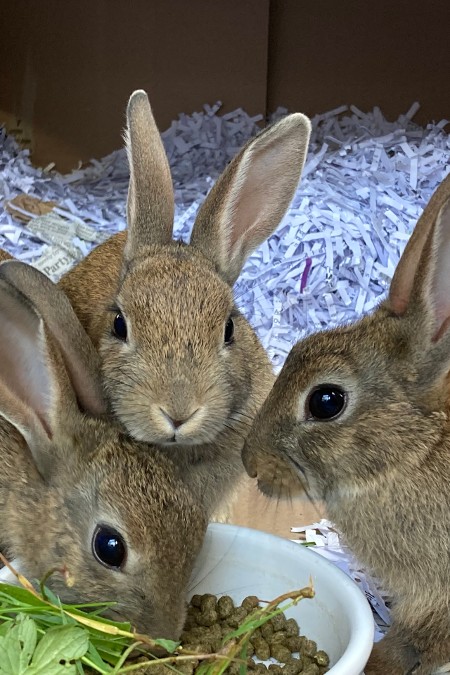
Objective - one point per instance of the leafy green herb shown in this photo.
(21, 652)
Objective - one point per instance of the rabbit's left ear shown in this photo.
(248, 201)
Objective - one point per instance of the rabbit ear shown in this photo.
(403, 280)
(248, 201)
(431, 285)
(80, 357)
(150, 195)
(428, 311)
(35, 395)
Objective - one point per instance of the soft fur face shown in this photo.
(176, 365)
(383, 422)
(138, 494)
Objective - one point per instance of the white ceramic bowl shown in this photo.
(237, 561)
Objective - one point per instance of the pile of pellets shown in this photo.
(211, 619)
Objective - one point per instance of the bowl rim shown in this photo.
(362, 624)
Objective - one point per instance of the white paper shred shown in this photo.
(327, 542)
(365, 183)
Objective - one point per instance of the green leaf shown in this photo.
(169, 645)
(17, 646)
(61, 643)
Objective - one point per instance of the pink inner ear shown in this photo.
(259, 199)
(24, 371)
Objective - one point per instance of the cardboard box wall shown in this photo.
(67, 68)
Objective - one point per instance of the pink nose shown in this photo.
(177, 423)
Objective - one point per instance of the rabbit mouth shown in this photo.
(160, 426)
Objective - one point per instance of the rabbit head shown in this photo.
(181, 365)
(359, 417)
(112, 516)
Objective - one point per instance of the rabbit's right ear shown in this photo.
(35, 393)
(80, 356)
(151, 202)
(248, 201)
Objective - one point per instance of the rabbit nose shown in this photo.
(177, 423)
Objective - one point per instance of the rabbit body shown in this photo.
(74, 490)
(182, 368)
(359, 417)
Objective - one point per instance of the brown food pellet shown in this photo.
(237, 617)
(309, 647)
(257, 633)
(196, 600)
(262, 649)
(280, 653)
(294, 643)
(278, 622)
(278, 638)
(291, 628)
(267, 630)
(250, 603)
(312, 669)
(293, 667)
(208, 603)
(207, 618)
(275, 669)
(225, 606)
(322, 658)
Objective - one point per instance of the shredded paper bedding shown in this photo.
(363, 188)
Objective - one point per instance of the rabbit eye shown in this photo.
(229, 331)
(325, 402)
(120, 327)
(109, 547)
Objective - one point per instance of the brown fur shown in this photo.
(64, 471)
(382, 466)
(177, 299)
(5, 256)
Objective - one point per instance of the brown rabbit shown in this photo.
(182, 367)
(359, 416)
(75, 493)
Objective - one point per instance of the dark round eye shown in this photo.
(326, 402)
(120, 327)
(229, 331)
(109, 547)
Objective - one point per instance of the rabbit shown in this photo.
(359, 417)
(76, 494)
(182, 367)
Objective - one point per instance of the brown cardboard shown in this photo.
(67, 68)
(252, 509)
(386, 53)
